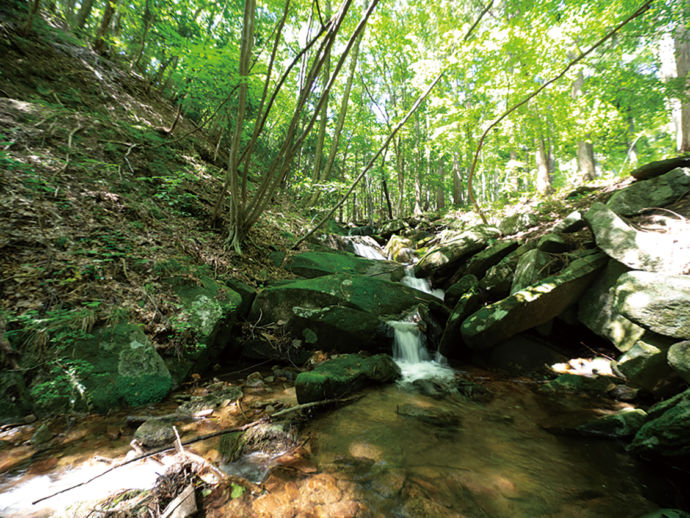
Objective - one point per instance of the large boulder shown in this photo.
(531, 268)
(596, 310)
(655, 192)
(485, 259)
(317, 264)
(678, 357)
(571, 223)
(115, 366)
(644, 364)
(451, 344)
(498, 279)
(617, 425)
(517, 223)
(655, 301)
(441, 262)
(665, 434)
(399, 249)
(659, 167)
(341, 313)
(344, 375)
(532, 306)
(649, 251)
(209, 310)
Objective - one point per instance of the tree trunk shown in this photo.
(236, 224)
(543, 181)
(681, 44)
(457, 181)
(69, 11)
(400, 166)
(343, 111)
(83, 14)
(147, 25)
(30, 19)
(418, 166)
(99, 42)
(440, 188)
(585, 160)
(323, 121)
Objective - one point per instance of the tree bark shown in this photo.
(585, 160)
(99, 42)
(30, 20)
(681, 44)
(418, 167)
(543, 180)
(147, 25)
(83, 14)
(457, 181)
(440, 188)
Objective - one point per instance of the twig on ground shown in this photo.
(69, 147)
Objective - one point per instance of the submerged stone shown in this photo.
(619, 425)
(532, 306)
(665, 435)
(344, 375)
(429, 415)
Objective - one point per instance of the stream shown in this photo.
(441, 442)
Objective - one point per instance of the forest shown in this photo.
(374, 258)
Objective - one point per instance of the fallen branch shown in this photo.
(199, 438)
(69, 147)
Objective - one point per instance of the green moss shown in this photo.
(143, 390)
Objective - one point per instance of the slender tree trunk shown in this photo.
(440, 188)
(236, 223)
(681, 43)
(69, 11)
(30, 19)
(384, 185)
(400, 166)
(323, 121)
(543, 180)
(343, 110)
(83, 14)
(99, 41)
(418, 167)
(168, 79)
(585, 160)
(147, 25)
(457, 181)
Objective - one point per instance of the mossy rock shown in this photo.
(209, 310)
(115, 366)
(344, 375)
(317, 264)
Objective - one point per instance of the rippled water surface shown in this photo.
(497, 462)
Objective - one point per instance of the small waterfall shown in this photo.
(412, 356)
(421, 284)
(367, 251)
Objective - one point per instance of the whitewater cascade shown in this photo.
(412, 356)
(367, 251)
(421, 284)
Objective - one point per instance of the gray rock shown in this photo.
(41, 436)
(656, 301)
(655, 192)
(153, 433)
(531, 268)
(268, 438)
(396, 248)
(532, 306)
(667, 513)
(429, 415)
(442, 261)
(678, 357)
(571, 223)
(499, 278)
(596, 311)
(452, 344)
(665, 435)
(554, 244)
(517, 223)
(457, 290)
(659, 167)
(485, 259)
(648, 251)
(644, 364)
(619, 425)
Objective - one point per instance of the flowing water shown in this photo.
(420, 284)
